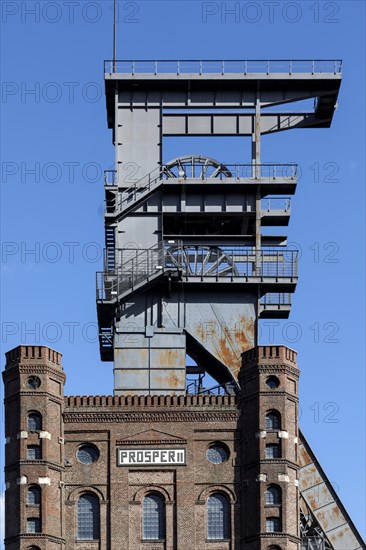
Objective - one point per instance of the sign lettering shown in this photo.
(128, 457)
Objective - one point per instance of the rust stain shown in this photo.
(227, 355)
(323, 521)
(167, 357)
(241, 339)
(304, 457)
(244, 333)
(169, 379)
(228, 340)
(309, 477)
(341, 533)
(337, 512)
(319, 496)
(311, 501)
(200, 332)
(330, 518)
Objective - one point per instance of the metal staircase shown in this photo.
(129, 271)
(110, 251)
(195, 263)
(131, 198)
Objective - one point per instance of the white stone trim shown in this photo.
(261, 477)
(284, 477)
(44, 481)
(22, 480)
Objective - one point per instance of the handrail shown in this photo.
(110, 177)
(198, 390)
(222, 67)
(196, 262)
(238, 173)
(276, 299)
(270, 204)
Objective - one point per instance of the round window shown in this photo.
(87, 454)
(272, 382)
(33, 382)
(217, 454)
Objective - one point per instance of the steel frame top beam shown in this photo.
(229, 84)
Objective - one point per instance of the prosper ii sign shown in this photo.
(148, 457)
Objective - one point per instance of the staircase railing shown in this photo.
(237, 173)
(134, 267)
(196, 263)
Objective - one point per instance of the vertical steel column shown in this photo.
(257, 175)
(256, 161)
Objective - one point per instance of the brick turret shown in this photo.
(269, 405)
(34, 462)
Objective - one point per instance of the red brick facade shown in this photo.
(192, 423)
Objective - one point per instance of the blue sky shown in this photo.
(55, 144)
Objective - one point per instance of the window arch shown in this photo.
(34, 495)
(274, 547)
(34, 421)
(153, 517)
(218, 517)
(273, 420)
(273, 495)
(88, 521)
(33, 548)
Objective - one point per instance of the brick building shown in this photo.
(205, 445)
(162, 464)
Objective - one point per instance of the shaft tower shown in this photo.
(188, 269)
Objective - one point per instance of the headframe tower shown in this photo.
(187, 268)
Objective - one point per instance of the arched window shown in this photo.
(274, 547)
(33, 548)
(33, 525)
(153, 517)
(273, 495)
(88, 521)
(34, 496)
(273, 420)
(218, 517)
(34, 422)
